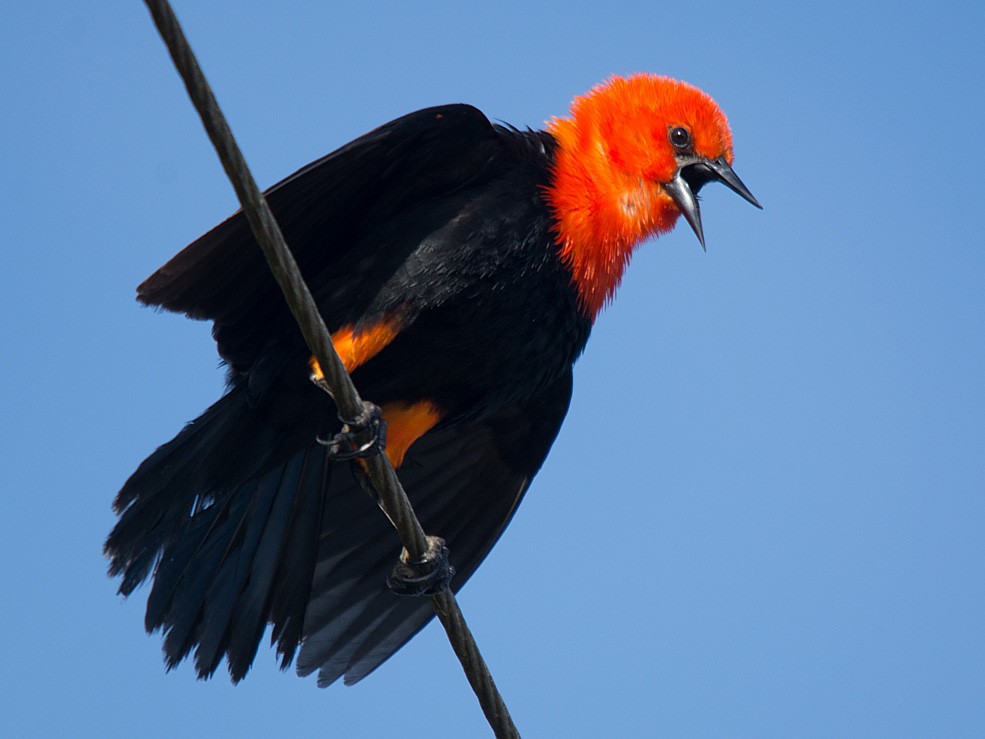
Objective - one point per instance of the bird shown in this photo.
(460, 265)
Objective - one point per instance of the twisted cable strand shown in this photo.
(393, 499)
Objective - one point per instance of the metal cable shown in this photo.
(393, 499)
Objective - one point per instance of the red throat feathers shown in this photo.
(613, 161)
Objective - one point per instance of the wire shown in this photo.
(393, 499)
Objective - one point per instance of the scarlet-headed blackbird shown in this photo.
(460, 266)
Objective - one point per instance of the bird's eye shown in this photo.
(680, 137)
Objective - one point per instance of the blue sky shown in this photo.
(765, 513)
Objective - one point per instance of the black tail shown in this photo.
(230, 532)
(245, 523)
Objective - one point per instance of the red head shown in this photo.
(631, 159)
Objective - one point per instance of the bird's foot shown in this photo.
(429, 575)
(360, 437)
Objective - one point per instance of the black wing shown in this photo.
(465, 483)
(325, 211)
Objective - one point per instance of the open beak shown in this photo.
(691, 176)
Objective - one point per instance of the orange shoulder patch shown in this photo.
(356, 346)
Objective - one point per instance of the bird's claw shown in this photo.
(429, 575)
(360, 437)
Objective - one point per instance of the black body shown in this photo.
(436, 218)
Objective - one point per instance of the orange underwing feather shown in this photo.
(406, 423)
(357, 345)
(613, 156)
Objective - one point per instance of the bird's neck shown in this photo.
(601, 213)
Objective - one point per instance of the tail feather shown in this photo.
(173, 604)
(241, 561)
(229, 533)
(249, 618)
(289, 602)
(221, 600)
(155, 503)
